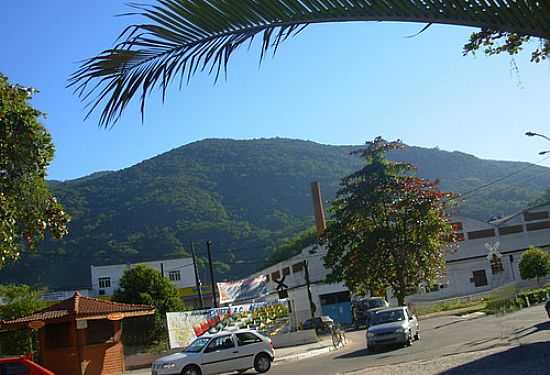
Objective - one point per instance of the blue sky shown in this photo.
(335, 84)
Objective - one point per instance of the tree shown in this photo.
(27, 208)
(534, 263)
(181, 37)
(18, 301)
(144, 285)
(496, 42)
(388, 226)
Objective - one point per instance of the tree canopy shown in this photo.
(27, 208)
(388, 227)
(534, 263)
(18, 301)
(146, 286)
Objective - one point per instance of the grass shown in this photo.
(469, 305)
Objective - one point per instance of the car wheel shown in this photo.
(191, 370)
(408, 341)
(262, 363)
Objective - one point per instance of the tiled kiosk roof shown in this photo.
(80, 308)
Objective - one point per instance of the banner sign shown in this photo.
(184, 327)
(246, 289)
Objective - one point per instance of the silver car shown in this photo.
(219, 353)
(392, 326)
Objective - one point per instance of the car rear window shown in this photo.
(246, 338)
(14, 368)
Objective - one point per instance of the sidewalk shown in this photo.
(141, 364)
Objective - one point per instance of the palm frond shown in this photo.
(181, 37)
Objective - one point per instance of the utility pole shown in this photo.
(197, 279)
(312, 307)
(213, 285)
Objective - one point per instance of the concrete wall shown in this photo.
(294, 338)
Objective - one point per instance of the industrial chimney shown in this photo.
(318, 210)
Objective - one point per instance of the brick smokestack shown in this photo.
(318, 210)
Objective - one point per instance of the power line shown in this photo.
(481, 187)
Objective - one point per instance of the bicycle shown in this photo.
(338, 337)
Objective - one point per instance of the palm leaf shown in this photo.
(181, 37)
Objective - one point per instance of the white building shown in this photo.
(329, 299)
(486, 257)
(488, 254)
(106, 279)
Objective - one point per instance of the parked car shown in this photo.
(390, 326)
(547, 306)
(218, 353)
(322, 324)
(21, 366)
(360, 309)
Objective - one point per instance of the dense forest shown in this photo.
(247, 197)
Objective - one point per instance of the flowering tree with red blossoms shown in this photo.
(389, 226)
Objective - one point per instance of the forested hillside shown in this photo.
(245, 196)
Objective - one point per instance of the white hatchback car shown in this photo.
(218, 353)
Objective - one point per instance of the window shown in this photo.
(220, 343)
(57, 335)
(538, 226)
(246, 338)
(540, 215)
(99, 332)
(286, 271)
(298, 267)
(275, 275)
(104, 282)
(479, 278)
(174, 276)
(510, 229)
(481, 234)
(14, 369)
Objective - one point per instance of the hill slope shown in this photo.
(245, 196)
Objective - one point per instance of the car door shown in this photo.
(249, 344)
(413, 323)
(220, 355)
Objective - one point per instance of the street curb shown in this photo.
(309, 354)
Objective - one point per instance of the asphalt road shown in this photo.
(517, 343)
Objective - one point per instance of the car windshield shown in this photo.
(375, 303)
(382, 317)
(197, 345)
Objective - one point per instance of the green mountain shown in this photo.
(244, 196)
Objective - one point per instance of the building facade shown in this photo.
(486, 257)
(106, 279)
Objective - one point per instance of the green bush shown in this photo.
(500, 304)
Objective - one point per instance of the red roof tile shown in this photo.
(79, 307)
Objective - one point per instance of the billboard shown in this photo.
(184, 327)
(246, 289)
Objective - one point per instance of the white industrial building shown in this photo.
(106, 279)
(486, 256)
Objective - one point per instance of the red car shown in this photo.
(21, 366)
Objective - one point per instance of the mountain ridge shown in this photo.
(244, 195)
